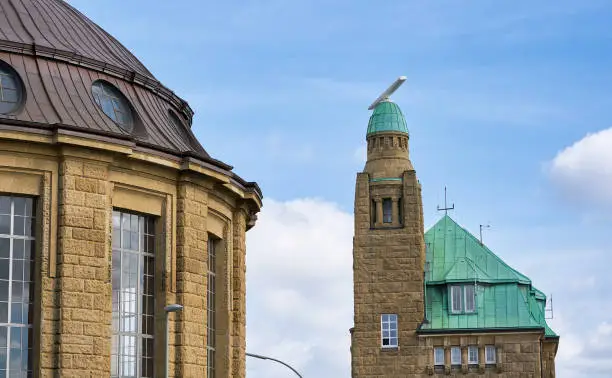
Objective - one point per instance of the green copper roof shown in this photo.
(456, 255)
(387, 116)
(505, 298)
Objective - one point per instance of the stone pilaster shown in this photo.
(83, 270)
(238, 334)
(189, 339)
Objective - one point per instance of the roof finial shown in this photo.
(385, 95)
(446, 208)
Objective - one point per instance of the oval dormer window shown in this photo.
(114, 104)
(11, 89)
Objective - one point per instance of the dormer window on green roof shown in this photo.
(387, 117)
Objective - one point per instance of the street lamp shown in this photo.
(168, 309)
(275, 360)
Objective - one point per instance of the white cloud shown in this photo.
(299, 281)
(584, 169)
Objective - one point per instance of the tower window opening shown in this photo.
(388, 324)
(387, 210)
(373, 211)
(400, 212)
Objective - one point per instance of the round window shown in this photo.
(11, 89)
(114, 104)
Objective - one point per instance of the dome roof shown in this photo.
(387, 117)
(74, 75)
(55, 27)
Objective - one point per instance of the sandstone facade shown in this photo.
(76, 188)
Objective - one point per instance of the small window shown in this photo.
(455, 356)
(389, 330)
(473, 355)
(490, 354)
(439, 356)
(462, 299)
(456, 296)
(470, 298)
(114, 104)
(11, 89)
(387, 210)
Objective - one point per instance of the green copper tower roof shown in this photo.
(387, 116)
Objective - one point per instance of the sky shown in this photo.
(508, 104)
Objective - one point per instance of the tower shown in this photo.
(388, 251)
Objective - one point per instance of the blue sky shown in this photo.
(499, 99)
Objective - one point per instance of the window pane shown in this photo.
(469, 298)
(387, 210)
(5, 245)
(456, 298)
(5, 224)
(490, 354)
(472, 354)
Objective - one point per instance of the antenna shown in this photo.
(548, 309)
(445, 208)
(385, 95)
(481, 227)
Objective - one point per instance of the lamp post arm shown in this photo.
(275, 360)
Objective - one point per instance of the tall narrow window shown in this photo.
(456, 297)
(455, 355)
(16, 291)
(387, 210)
(373, 212)
(473, 355)
(389, 330)
(439, 356)
(490, 354)
(470, 298)
(210, 303)
(133, 283)
(400, 211)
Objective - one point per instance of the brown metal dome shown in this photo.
(70, 70)
(57, 26)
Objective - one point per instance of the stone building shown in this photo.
(110, 209)
(433, 303)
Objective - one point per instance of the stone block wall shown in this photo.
(83, 282)
(76, 190)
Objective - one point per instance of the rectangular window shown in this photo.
(17, 239)
(456, 296)
(473, 355)
(211, 307)
(490, 354)
(455, 356)
(387, 210)
(439, 356)
(389, 330)
(133, 281)
(470, 298)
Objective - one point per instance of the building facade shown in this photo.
(433, 303)
(110, 209)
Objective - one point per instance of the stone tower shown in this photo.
(388, 254)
